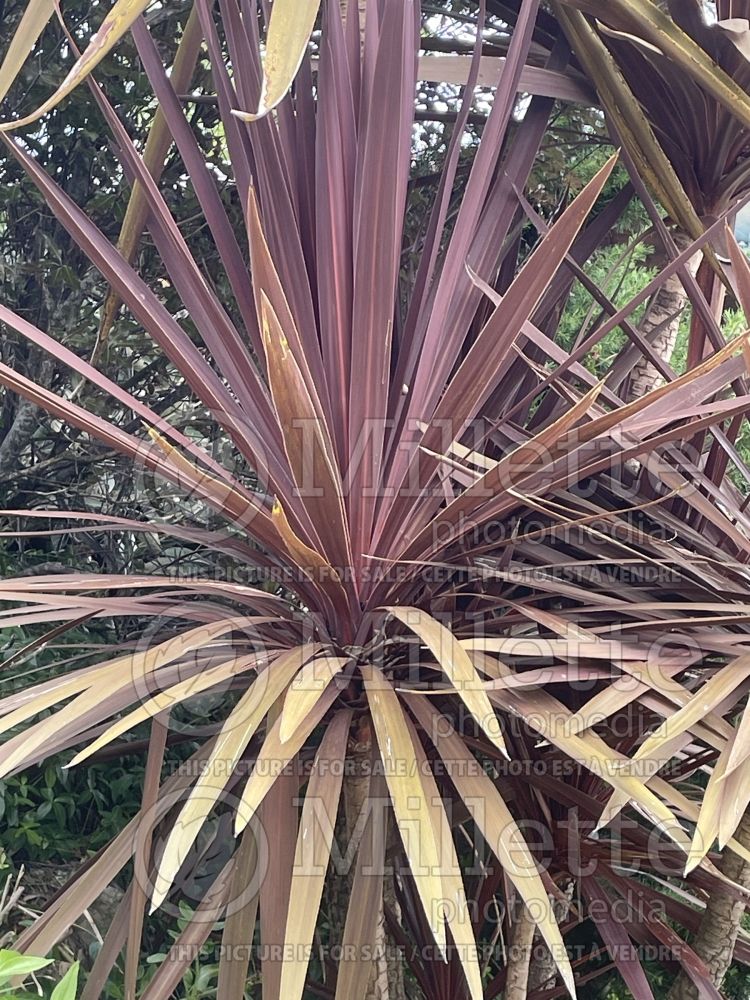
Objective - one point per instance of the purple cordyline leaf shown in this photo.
(578, 353)
(88, 883)
(700, 305)
(353, 34)
(586, 243)
(243, 44)
(145, 306)
(439, 213)
(105, 522)
(441, 343)
(307, 443)
(484, 254)
(535, 80)
(151, 780)
(658, 929)
(489, 244)
(641, 451)
(379, 205)
(617, 939)
(335, 163)
(41, 641)
(274, 149)
(642, 346)
(181, 954)
(278, 812)
(205, 309)
(239, 923)
(240, 153)
(482, 367)
(304, 118)
(62, 353)
(203, 183)
(115, 938)
(551, 350)
(154, 317)
(244, 511)
(541, 450)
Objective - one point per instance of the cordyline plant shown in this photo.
(474, 654)
(689, 136)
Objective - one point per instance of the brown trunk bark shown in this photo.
(714, 942)
(519, 957)
(387, 981)
(543, 972)
(661, 324)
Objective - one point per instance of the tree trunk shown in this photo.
(387, 980)
(543, 972)
(519, 957)
(661, 324)
(714, 942)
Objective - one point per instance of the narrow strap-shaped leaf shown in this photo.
(239, 924)
(307, 442)
(170, 696)
(617, 939)
(305, 689)
(226, 494)
(457, 666)
(122, 673)
(111, 30)
(379, 205)
(498, 827)
(407, 795)
(289, 30)
(322, 575)
(235, 734)
(151, 781)
(630, 119)
(657, 27)
(546, 715)
(134, 448)
(313, 852)
(457, 913)
(157, 145)
(698, 705)
(62, 353)
(479, 372)
(335, 163)
(278, 814)
(30, 27)
(166, 91)
(182, 953)
(266, 281)
(107, 955)
(709, 818)
(274, 756)
(511, 469)
(161, 325)
(490, 355)
(67, 907)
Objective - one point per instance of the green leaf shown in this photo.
(12, 964)
(66, 988)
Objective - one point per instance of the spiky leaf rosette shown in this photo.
(458, 588)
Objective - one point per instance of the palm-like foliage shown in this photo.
(688, 132)
(453, 574)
